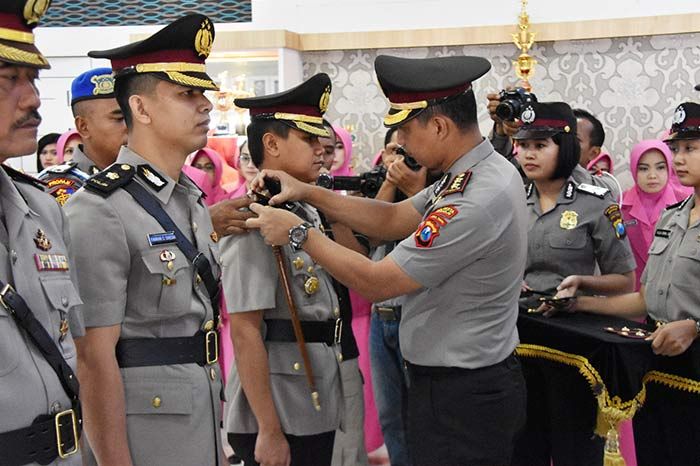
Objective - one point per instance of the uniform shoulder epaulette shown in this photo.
(679, 204)
(457, 185)
(110, 179)
(24, 178)
(598, 191)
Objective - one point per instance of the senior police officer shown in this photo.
(40, 421)
(270, 418)
(461, 263)
(147, 265)
(100, 122)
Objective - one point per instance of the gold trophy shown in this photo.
(524, 39)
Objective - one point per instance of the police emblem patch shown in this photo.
(528, 115)
(615, 217)
(569, 220)
(679, 115)
(103, 84)
(34, 10)
(325, 100)
(204, 39)
(429, 229)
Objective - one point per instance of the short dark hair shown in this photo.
(461, 110)
(126, 86)
(45, 140)
(389, 133)
(255, 132)
(569, 154)
(598, 132)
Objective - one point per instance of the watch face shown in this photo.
(298, 234)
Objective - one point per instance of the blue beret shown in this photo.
(97, 83)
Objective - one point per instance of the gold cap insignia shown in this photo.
(325, 100)
(35, 9)
(104, 84)
(204, 39)
(569, 220)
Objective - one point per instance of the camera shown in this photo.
(512, 103)
(368, 183)
(408, 160)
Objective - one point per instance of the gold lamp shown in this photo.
(524, 39)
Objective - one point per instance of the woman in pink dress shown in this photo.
(66, 144)
(207, 162)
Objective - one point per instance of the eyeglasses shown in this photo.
(244, 159)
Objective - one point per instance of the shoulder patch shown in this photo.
(151, 177)
(24, 178)
(598, 191)
(615, 217)
(679, 204)
(110, 179)
(429, 229)
(458, 184)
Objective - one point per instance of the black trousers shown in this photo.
(306, 450)
(667, 428)
(463, 417)
(561, 417)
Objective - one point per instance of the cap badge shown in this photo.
(679, 116)
(104, 84)
(528, 115)
(325, 100)
(569, 220)
(34, 10)
(204, 39)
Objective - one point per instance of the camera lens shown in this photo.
(507, 110)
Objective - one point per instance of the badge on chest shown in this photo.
(569, 220)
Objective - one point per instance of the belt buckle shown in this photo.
(7, 288)
(62, 453)
(212, 346)
(338, 333)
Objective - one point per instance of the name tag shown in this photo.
(662, 233)
(50, 262)
(167, 237)
(630, 223)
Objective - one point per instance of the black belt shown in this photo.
(325, 331)
(202, 349)
(415, 369)
(388, 313)
(49, 437)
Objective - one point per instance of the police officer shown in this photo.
(461, 263)
(147, 264)
(270, 417)
(40, 306)
(571, 228)
(667, 429)
(100, 122)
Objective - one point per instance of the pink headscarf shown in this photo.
(214, 191)
(603, 155)
(63, 141)
(647, 207)
(346, 139)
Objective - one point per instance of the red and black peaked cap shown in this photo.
(301, 107)
(545, 119)
(412, 85)
(18, 18)
(176, 53)
(686, 122)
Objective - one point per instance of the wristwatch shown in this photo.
(299, 234)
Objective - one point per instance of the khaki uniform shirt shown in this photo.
(469, 254)
(28, 385)
(172, 412)
(670, 279)
(572, 237)
(251, 282)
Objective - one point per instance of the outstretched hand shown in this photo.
(274, 224)
(291, 189)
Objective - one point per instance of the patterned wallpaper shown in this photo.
(143, 12)
(632, 84)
